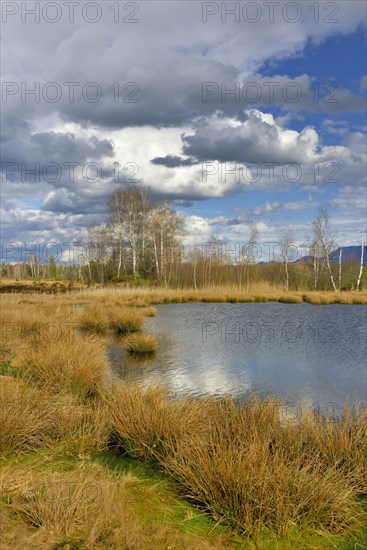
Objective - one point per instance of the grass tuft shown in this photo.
(243, 464)
(126, 320)
(75, 365)
(141, 343)
(30, 418)
(149, 311)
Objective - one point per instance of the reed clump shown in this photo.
(75, 365)
(30, 418)
(87, 504)
(341, 443)
(141, 344)
(125, 320)
(243, 463)
(93, 318)
(96, 507)
(100, 317)
(324, 298)
(143, 420)
(149, 311)
(290, 299)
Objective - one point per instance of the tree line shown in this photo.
(141, 243)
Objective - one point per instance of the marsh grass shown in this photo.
(84, 502)
(141, 344)
(30, 418)
(324, 298)
(156, 418)
(149, 311)
(98, 503)
(290, 299)
(263, 293)
(144, 297)
(99, 317)
(75, 365)
(243, 463)
(125, 321)
(93, 318)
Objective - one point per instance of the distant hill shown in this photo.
(349, 254)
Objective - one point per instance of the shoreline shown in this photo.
(161, 295)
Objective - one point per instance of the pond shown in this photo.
(306, 354)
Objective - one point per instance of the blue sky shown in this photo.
(333, 59)
(160, 123)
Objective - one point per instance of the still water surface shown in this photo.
(306, 354)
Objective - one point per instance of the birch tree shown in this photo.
(195, 256)
(128, 217)
(286, 244)
(96, 250)
(361, 265)
(323, 235)
(163, 228)
(314, 253)
(248, 256)
(340, 267)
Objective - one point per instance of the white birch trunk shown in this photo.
(120, 260)
(156, 256)
(315, 269)
(326, 252)
(361, 266)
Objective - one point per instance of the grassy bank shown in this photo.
(147, 297)
(91, 463)
(140, 297)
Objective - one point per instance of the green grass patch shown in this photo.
(6, 369)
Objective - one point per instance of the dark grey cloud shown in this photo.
(172, 161)
(80, 201)
(257, 140)
(183, 203)
(168, 61)
(21, 151)
(66, 145)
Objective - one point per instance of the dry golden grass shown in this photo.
(252, 489)
(60, 502)
(261, 293)
(72, 364)
(6, 352)
(130, 297)
(341, 443)
(149, 311)
(125, 320)
(141, 343)
(322, 298)
(47, 321)
(86, 504)
(99, 317)
(89, 507)
(30, 418)
(93, 318)
(142, 419)
(243, 463)
(240, 462)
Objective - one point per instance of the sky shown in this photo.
(244, 114)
